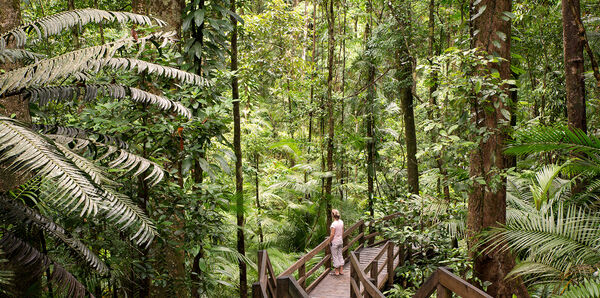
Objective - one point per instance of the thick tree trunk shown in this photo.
(574, 68)
(487, 202)
(330, 116)
(237, 146)
(170, 11)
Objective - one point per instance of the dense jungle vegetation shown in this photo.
(152, 148)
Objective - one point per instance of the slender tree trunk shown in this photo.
(343, 108)
(237, 146)
(574, 68)
(258, 207)
(370, 122)
(487, 202)
(330, 116)
(404, 77)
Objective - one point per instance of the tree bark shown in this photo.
(237, 146)
(574, 68)
(487, 201)
(170, 11)
(370, 123)
(330, 116)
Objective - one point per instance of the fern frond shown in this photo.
(52, 69)
(57, 23)
(24, 151)
(14, 55)
(45, 95)
(19, 213)
(24, 255)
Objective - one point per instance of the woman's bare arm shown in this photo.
(331, 234)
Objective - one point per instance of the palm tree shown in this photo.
(66, 167)
(553, 231)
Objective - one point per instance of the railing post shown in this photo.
(301, 274)
(374, 271)
(354, 277)
(328, 253)
(443, 292)
(361, 230)
(390, 263)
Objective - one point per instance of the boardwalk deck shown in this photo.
(339, 286)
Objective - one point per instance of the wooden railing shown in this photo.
(268, 284)
(446, 283)
(368, 277)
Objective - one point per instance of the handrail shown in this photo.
(358, 278)
(267, 282)
(447, 283)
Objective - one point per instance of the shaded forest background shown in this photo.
(284, 110)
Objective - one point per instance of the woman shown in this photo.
(337, 242)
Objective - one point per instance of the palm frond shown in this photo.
(587, 289)
(20, 253)
(124, 212)
(6, 276)
(87, 59)
(14, 55)
(125, 160)
(163, 71)
(24, 151)
(90, 92)
(55, 24)
(544, 139)
(14, 212)
(568, 234)
(82, 136)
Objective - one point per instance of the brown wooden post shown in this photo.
(283, 285)
(354, 277)
(443, 292)
(401, 255)
(256, 290)
(261, 255)
(344, 242)
(301, 274)
(328, 253)
(374, 270)
(390, 263)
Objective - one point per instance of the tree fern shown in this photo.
(14, 55)
(84, 136)
(55, 24)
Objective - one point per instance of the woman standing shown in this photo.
(337, 242)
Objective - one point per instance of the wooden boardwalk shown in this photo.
(339, 286)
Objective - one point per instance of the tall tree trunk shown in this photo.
(404, 77)
(237, 147)
(330, 119)
(370, 121)
(10, 17)
(258, 207)
(342, 108)
(574, 68)
(487, 202)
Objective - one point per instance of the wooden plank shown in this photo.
(316, 281)
(428, 287)
(459, 286)
(381, 252)
(305, 258)
(390, 264)
(371, 235)
(316, 267)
